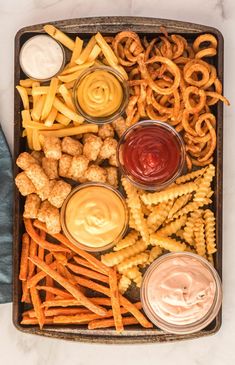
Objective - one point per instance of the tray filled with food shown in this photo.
(118, 180)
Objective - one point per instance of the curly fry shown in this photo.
(209, 220)
(169, 194)
(167, 243)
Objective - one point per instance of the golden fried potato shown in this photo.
(112, 176)
(96, 174)
(52, 147)
(38, 177)
(51, 216)
(105, 131)
(71, 146)
(78, 166)
(31, 206)
(24, 160)
(58, 194)
(24, 184)
(64, 165)
(38, 155)
(119, 126)
(92, 147)
(108, 148)
(45, 192)
(50, 167)
(113, 161)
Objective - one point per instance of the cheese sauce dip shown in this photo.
(41, 57)
(94, 216)
(181, 293)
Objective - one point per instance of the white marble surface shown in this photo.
(18, 348)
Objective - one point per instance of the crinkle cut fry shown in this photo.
(209, 220)
(179, 203)
(169, 194)
(200, 242)
(167, 243)
(134, 204)
(61, 238)
(173, 226)
(158, 215)
(139, 259)
(129, 240)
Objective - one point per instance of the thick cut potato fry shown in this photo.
(62, 108)
(62, 119)
(51, 118)
(24, 96)
(59, 36)
(26, 83)
(76, 68)
(37, 111)
(50, 97)
(67, 97)
(76, 51)
(86, 51)
(73, 131)
(40, 90)
(94, 53)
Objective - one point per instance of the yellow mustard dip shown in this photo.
(99, 94)
(95, 216)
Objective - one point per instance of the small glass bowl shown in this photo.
(158, 185)
(186, 328)
(70, 236)
(31, 76)
(122, 107)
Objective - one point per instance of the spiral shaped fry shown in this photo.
(209, 220)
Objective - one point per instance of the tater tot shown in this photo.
(92, 147)
(96, 173)
(59, 193)
(78, 166)
(119, 126)
(52, 147)
(38, 177)
(64, 165)
(108, 148)
(31, 206)
(112, 176)
(24, 160)
(50, 167)
(38, 155)
(105, 131)
(45, 193)
(87, 135)
(113, 161)
(71, 146)
(24, 184)
(51, 216)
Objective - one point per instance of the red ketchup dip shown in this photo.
(151, 154)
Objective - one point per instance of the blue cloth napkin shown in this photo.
(6, 190)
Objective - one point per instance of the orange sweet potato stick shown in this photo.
(40, 241)
(24, 257)
(107, 323)
(41, 251)
(89, 273)
(72, 289)
(115, 300)
(39, 311)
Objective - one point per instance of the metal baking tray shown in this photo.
(85, 27)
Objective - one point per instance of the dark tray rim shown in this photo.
(110, 24)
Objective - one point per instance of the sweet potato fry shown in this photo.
(89, 273)
(58, 312)
(25, 293)
(66, 274)
(41, 242)
(49, 282)
(24, 257)
(32, 252)
(61, 238)
(32, 321)
(39, 311)
(73, 302)
(41, 251)
(55, 291)
(135, 312)
(39, 276)
(69, 287)
(114, 292)
(106, 323)
(84, 262)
